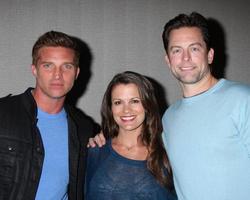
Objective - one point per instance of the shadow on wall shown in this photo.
(160, 95)
(83, 79)
(218, 43)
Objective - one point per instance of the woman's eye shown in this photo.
(135, 101)
(116, 102)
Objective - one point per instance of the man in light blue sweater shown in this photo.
(207, 132)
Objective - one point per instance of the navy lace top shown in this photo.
(111, 176)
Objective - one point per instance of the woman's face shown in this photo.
(127, 108)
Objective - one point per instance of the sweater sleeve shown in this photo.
(245, 124)
(92, 163)
(96, 156)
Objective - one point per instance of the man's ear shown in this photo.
(210, 56)
(77, 72)
(34, 70)
(167, 60)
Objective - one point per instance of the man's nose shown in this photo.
(186, 55)
(58, 73)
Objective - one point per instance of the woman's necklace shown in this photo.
(124, 146)
(136, 151)
(128, 148)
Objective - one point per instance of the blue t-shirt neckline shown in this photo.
(44, 114)
(203, 94)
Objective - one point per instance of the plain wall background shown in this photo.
(116, 35)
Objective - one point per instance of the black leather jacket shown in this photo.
(22, 152)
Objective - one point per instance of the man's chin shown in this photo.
(188, 80)
(58, 96)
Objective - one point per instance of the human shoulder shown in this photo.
(97, 155)
(81, 119)
(13, 102)
(77, 114)
(173, 107)
(9, 99)
(16, 113)
(236, 89)
(95, 151)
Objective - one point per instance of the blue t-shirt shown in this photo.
(111, 176)
(207, 138)
(55, 173)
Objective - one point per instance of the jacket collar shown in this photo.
(30, 104)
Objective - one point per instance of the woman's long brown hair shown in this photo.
(157, 159)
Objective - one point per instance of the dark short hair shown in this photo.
(55, 39)
(183, 20)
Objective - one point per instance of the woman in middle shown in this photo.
(133, 163)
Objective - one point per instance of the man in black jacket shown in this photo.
(43, 140)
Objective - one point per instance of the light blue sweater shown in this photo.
(207, 138)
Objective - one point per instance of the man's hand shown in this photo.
(98, 140)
